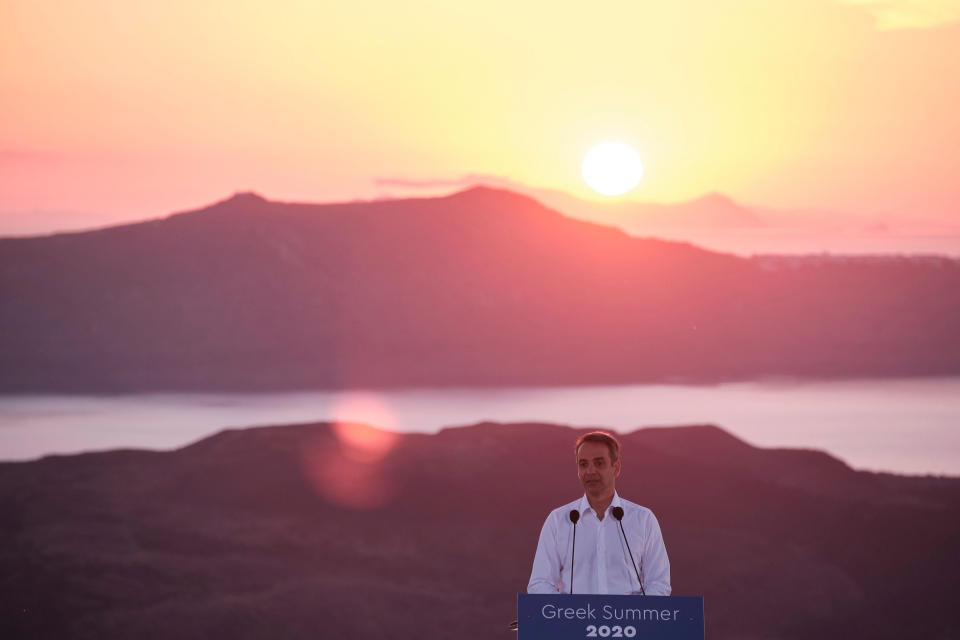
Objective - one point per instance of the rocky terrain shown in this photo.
(322, 530)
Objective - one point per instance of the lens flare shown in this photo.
(347, 469)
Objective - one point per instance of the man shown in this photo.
(601, 562)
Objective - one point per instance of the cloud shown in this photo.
(395, 187)
(462, 181)
(909, 14)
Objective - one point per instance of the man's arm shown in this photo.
(545, 577)
(656, 565)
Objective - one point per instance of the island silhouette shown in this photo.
(482, 288)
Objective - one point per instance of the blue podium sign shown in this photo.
(563, 616)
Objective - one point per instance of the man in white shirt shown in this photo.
(601, 562)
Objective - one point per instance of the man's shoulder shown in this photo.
(563, 512)
(633, 508)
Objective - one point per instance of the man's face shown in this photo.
(597, 474)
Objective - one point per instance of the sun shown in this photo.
(612, 168)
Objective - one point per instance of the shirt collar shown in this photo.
(584, 505)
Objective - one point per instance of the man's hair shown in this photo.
(603, 438)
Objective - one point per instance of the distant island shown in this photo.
(481, 288)
(321, 530)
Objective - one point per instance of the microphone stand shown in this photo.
(618, 514)
(574, 517)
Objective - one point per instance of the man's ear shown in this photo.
(616, 465)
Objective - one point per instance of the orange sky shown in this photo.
(117, 109)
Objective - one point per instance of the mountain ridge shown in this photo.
(481, 288)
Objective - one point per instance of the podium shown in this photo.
(564, 616)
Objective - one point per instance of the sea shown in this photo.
(901, 425)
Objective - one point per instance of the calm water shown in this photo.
(903, 425)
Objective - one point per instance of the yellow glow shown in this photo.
(140, 108)
(910, 14)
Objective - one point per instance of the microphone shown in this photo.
(574, 517)
(617, 513)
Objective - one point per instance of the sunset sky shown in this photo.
(117, 109)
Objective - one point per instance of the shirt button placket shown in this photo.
(601, 559)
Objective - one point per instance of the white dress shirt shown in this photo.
(601, 563)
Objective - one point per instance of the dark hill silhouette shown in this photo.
(271, 532)
(484, 287)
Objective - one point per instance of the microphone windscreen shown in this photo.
(617, 513)
(574, 516)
